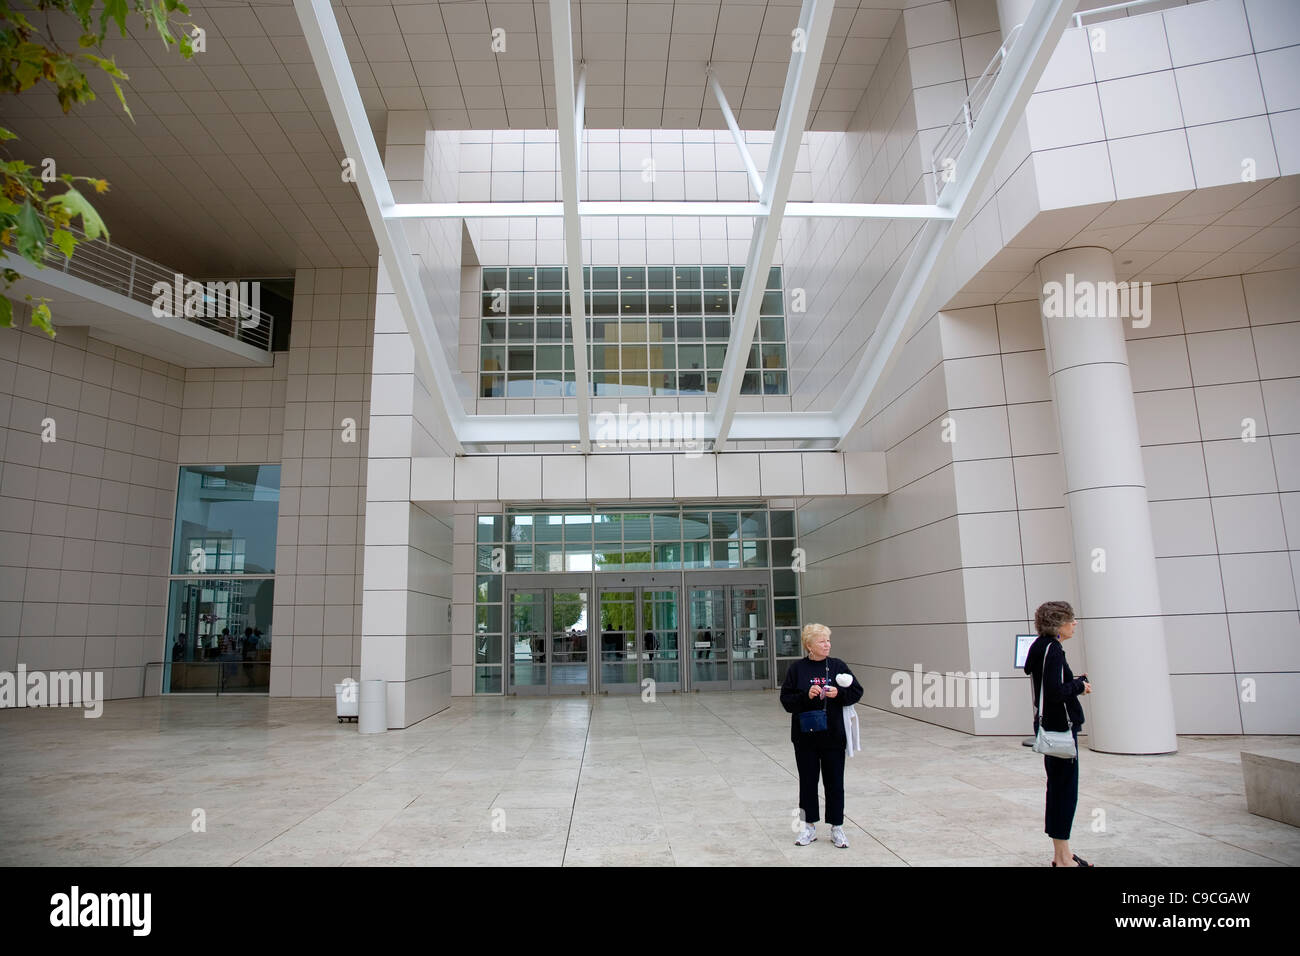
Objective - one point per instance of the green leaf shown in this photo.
(30, 238)
(107, 65)
(6, 312)
(121, 98)
(8, 207)
(42, 319)
(6, 134)
(115, 10)
(75, 204)
(83, 8)
(65, 240)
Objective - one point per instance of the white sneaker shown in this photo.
(808, 835)
(837, 837)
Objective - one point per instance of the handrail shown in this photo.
(951, 143)
(127, 274)
(1078, 17)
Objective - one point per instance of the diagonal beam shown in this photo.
(335, 72)
(754, 178)
(800, 78)
(566, 121)
(1024, 65)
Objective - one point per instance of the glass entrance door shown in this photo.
(730, 646)
(639, 639)
(548, 651)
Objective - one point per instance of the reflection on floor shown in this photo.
(701, 779)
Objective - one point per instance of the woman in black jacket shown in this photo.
(810, 684)
(1055, 622)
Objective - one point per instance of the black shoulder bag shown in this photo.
(814, 721)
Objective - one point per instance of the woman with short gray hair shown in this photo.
(815, 692)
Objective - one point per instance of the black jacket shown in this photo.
(1061, 695)
(794, 698)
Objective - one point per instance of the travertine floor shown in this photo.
(703, 779)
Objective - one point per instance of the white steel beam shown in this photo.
(335, 72)
(566, 119)
(754, 178)
(800, 78)
(563, 429)
(1024, 65)
(662, 207)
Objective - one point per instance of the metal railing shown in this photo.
(947, 151)
(230, 312)
(1078, 17)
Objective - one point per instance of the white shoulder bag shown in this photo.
(1054, 743)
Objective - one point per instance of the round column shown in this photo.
(1122, 625)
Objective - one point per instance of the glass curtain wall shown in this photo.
(666, 537)
(657, 330)
(222, 588)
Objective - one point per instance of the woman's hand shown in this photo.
(814, 692)
(831, 691)
(1087, 687)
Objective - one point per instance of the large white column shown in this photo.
(1131, 707)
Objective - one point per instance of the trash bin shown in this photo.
(373, 709)
(346, 699)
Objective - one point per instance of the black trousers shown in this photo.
(1062, 794)
(830, 764)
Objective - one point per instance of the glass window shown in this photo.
(783, 553)
(521, 303)
(521, 331)
(494, 279)
(487, 647)
(550, 303)
(487, 680)
(688, 277)
(782, 524)
(774, 277)
(489, 528)
(659, 277)
(487, 619)
(668, 557)
(772, 329)
(493, 331)
(521, 279)
(553, 277)
(726, 554)
(603, 277)
(753, 524)
(519, 527)
(608, 527)
(724, 524)
(633, 303)
(226, 519)
(219, 633)
(488, 588)
(771, 304)
(631, 277)
(695, 524)
(604, 303)
(754, 554)
(786, 611)
(492, 359)
(492, 386)
(577, 529)
(695, 554)
(689, 303)
(784, 583)
(717, 277)
(548, 527)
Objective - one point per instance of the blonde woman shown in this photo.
(822, 683)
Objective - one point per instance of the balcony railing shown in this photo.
(229, 311)
(947, 151)
(1100, 11)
